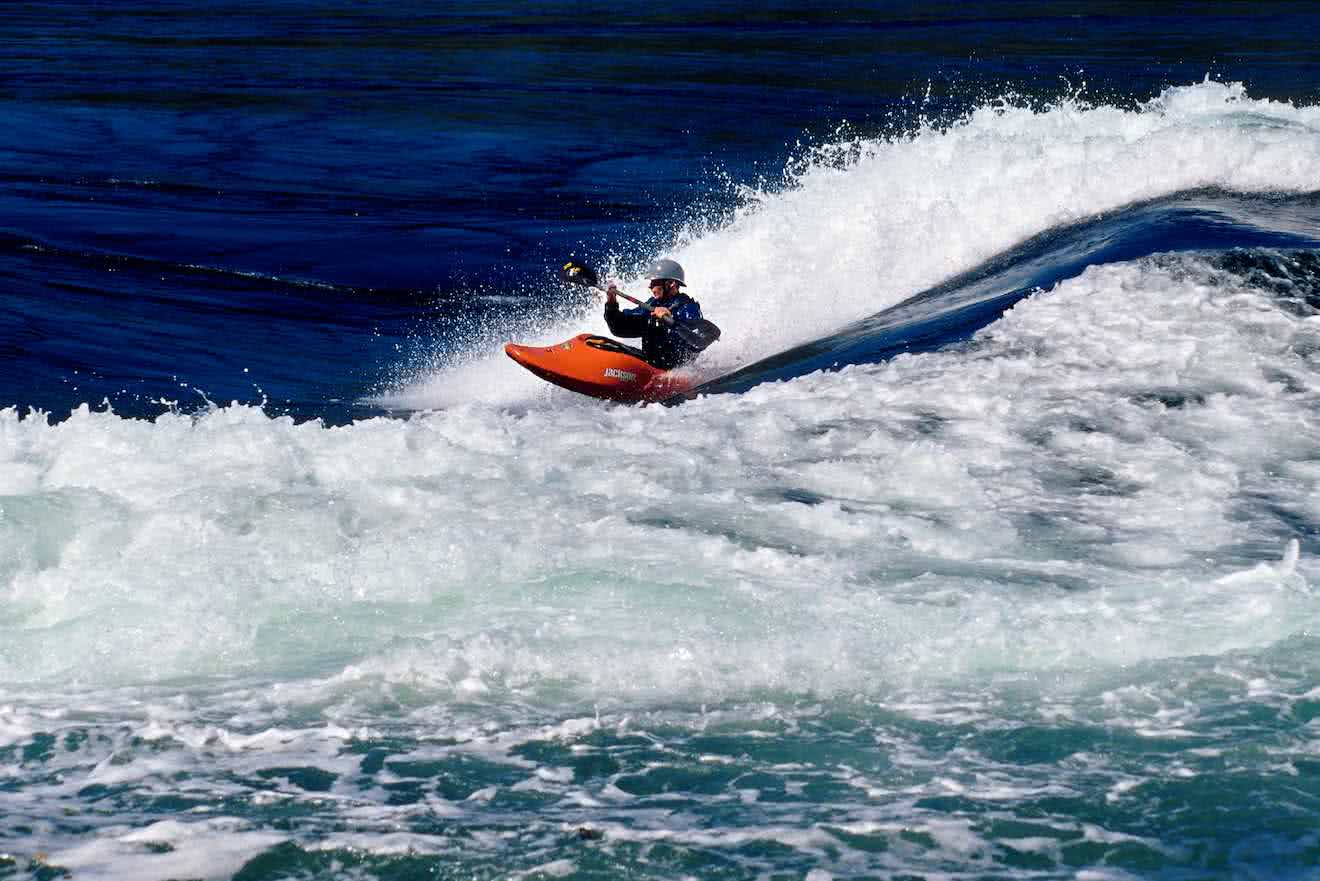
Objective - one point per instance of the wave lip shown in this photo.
(1198, 221)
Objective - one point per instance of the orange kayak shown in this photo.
(602, 368)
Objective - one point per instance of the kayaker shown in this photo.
(661, 347)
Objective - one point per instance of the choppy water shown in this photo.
(1020, 586)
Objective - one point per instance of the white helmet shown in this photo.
(667, 270)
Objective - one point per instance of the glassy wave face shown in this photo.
(989, 549)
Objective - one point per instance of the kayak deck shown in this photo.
(600, 367)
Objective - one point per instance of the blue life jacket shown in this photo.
(661, 347)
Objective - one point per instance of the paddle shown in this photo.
(696, 335)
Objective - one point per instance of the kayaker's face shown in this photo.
(661, 289)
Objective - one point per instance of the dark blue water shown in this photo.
(203, 202)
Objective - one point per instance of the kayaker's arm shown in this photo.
(685, 311)
(625, 324)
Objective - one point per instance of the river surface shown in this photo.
(987, 550)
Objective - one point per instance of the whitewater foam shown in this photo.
(862, 224)
(1094, 466)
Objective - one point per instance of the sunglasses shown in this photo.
(657, 283)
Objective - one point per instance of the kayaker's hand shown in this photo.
(612, 294)
(661, 313)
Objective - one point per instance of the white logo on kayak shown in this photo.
(616, 373)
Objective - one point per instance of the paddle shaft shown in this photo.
(628, 298)
(668, 319)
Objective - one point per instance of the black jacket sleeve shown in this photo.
(626, 324)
